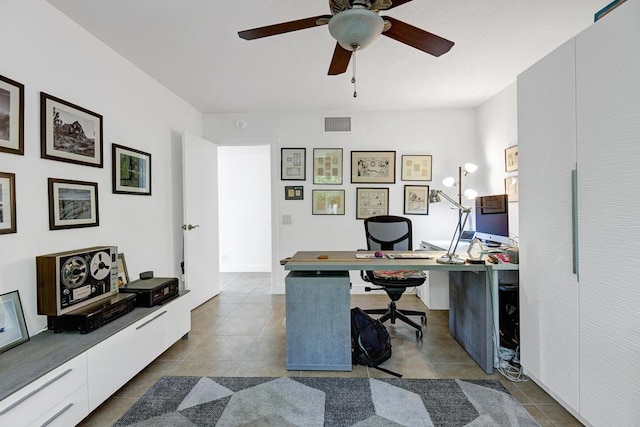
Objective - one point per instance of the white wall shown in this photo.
(244, 204)
(448, 135)
(497, 129)
(47, 52)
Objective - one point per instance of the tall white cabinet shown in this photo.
(579, 109)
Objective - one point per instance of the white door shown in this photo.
(200, 204)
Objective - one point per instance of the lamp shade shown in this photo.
(357, 27)
(470, 167)
(434, 197)
(470, 194)
(449, 181)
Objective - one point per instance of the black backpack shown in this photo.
(370, 341)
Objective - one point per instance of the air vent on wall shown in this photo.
(337, 124)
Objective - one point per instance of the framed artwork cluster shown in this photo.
(73, 134)
(367, 167)
(511, 165)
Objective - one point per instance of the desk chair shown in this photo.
(388, 233)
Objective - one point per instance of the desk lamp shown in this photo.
(450, 257)
(468, 193)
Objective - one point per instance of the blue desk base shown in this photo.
(318, 321)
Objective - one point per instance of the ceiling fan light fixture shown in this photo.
(359, 27)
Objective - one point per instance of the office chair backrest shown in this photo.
(388, 233)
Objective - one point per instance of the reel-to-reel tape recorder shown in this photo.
(70, 280)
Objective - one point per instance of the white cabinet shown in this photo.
(548, 286)
(60, 394)
(116, 360)
(58, 379)
(579, 108)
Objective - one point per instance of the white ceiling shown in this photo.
(192, 47)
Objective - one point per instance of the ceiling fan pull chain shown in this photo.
(353, 79)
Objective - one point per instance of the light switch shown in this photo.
(286, 220)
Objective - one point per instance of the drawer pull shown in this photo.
(39, 389)
(60, 412)
(151, 320)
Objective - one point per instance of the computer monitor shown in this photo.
(492, 219)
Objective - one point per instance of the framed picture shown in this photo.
(371, 202)
(293, 192)
(511, 188)
(11, 116)
(416, 199)
(131, 171)
(328, 202)
(72, 204)
(293, 166)
(7, 203)
(123, 274)
(327, 166)
(511, 159)
(13, 328)
(493, 204)
(416, 168)
(373, 167)
(69, 133)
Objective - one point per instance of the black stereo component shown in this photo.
(154, 291)
(92, 316)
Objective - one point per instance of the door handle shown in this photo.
(189, 227)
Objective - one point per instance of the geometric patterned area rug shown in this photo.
(286, 401)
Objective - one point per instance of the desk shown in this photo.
(321, 271)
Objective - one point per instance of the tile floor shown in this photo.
(241, 332)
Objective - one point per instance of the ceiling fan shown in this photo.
(355, 24)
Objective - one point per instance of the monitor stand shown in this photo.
(491, 244)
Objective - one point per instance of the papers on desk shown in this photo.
(365, 256)
(409, 255)
(399, 274)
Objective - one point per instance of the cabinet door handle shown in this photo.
(574, 220)
(151, 320)
(60, 412)
(39, 389)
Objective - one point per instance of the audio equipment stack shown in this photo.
(81, 284)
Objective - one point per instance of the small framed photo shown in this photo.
(328, 202)
(11, 116)
(7, 203)
(294, 192)
(511, 159)
(293, 165)
(493, 204)
(327, 166)
(371, 202)
(511, 188)
(123, 274)
(373, 167)
(416, 199)
(72, 204)
(416, 168)
(13, 328)
(69, 133)
(131, 171)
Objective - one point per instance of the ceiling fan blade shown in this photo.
(340, 60)
(415, 37)
(396, 3)
(284, 27)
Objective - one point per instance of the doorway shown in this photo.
(244, 195)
